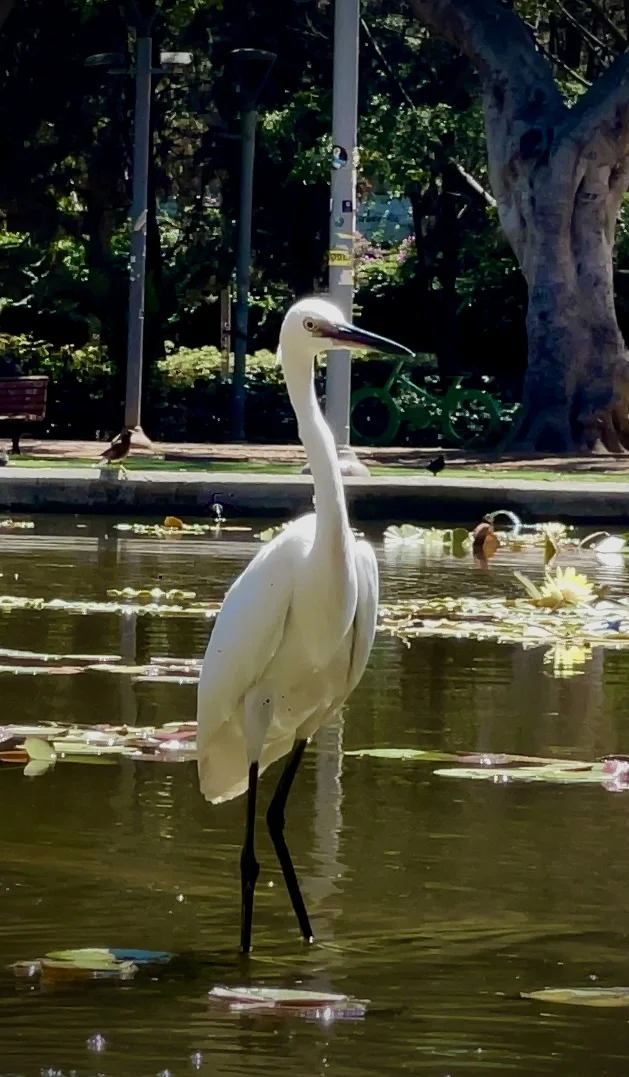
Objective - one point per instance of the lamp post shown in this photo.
(143, 72)
(252, 70)
(343, 220)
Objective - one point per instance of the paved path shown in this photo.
(404, 497)
(411, 458)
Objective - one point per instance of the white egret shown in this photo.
(295, 630)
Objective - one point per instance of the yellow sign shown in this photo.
(341, 256)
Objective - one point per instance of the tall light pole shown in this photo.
(343, 220)
(143, 72)
(139, 215)
(252, 70)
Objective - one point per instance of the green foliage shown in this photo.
(65, 195)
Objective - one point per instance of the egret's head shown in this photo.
(313, 325)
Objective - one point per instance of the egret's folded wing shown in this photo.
(366, 612)
(247, 631)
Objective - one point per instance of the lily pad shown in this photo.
(565, 773)
(401, 753)
(581, 996)
(289, 1001)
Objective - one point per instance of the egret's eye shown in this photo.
(309, 325)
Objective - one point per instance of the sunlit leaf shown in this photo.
(581, 996)
(400, 754)
(63, 971)
(290, 1001)
(566, 773)
(550, 548)
(39, 750)
(36, 767)
(16, 525)
(530, 588)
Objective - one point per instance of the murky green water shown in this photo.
(437, 900)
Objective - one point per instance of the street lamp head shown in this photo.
(105, 59)
(252, 70)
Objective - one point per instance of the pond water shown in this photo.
(437, 900)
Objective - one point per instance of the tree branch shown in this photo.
(594, 42)
(601, 14)
(500, 47)
(555, 59)
(470, 180)
(6, 7)
(600, 118)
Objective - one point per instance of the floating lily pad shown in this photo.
(565, 773)
(91, 963)
(289, 1001)
(401, 754)
(581, 996)
(143, 957)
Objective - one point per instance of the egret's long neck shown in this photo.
(318, 442)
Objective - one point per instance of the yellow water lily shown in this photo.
(563, 587)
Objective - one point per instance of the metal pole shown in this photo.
(226, 329)
(248, 121)
(343, 218)
(139, 208)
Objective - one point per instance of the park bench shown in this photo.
(22, 400)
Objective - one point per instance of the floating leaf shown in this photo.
(400, 753)
(581, 996)
(270, 532)
(566, 773)
(174, 521)
(611, 544)
(143, 957)
(550, 548)
(88, 958)
(35, 768)
(165, 530)
(66, 971)
(39, 750)
(16, 525)
(290, 1001)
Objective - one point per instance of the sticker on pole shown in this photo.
(340, 256)
(339, 157)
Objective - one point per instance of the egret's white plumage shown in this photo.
(298, 625)
(295, 630)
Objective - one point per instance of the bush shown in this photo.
(80, 400)
(187, 396)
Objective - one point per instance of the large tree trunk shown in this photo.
(577, 383)
(558, 175)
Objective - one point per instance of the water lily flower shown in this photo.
(563, 587)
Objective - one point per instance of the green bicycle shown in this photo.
(464, 417)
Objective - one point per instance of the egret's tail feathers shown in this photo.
(223, 764)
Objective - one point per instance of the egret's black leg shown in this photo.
(275, 821)
(249, 867)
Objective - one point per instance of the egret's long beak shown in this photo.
(350, 336)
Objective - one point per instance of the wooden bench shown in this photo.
(22, 400)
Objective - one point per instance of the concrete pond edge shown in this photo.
(401, 498)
